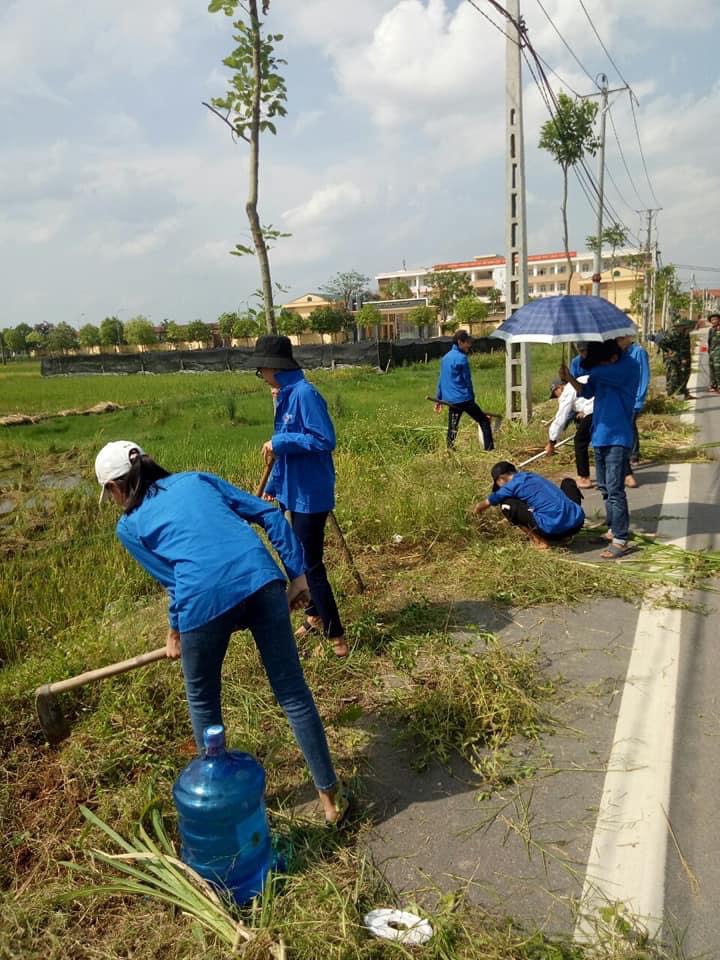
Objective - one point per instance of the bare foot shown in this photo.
(585, 483)
(630, 481)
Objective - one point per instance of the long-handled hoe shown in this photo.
(47, 702)
(345, 549)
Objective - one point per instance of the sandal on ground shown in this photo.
(614, 551)
(308, 629)
(340, 648)
(601, 538)
(342, 809)
(584, 483)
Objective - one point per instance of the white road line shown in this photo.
(629, 846)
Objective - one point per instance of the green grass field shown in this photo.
(70, 600)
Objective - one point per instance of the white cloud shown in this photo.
(327, 204)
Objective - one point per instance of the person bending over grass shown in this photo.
(192, 532)
(303, 476)
(546, 513)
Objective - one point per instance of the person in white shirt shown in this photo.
(572, 407)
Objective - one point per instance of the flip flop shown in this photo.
(613, 552)
(343, 802)
(307, 629)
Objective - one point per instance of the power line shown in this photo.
(622, 157)
(600, 39)
(491, 21)
(642, 154)
(567, 45)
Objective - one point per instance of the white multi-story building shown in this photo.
(547, 273)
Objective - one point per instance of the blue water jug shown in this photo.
(221, 817)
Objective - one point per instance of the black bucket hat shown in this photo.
(275, 353)
(503, 466)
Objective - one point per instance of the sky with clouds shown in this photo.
(120, 193)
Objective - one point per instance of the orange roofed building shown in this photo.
(547, 274)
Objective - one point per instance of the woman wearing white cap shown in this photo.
(192, 533)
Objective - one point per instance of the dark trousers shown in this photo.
(520, 515)
(310, 531)
(472, 410)
(583, 429)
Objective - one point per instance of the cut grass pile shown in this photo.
(71, 599)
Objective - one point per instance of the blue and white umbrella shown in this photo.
(566, 319)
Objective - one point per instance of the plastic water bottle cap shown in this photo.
(214, 737)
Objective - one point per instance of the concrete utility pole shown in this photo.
(518, 396)
(597, 254)
(597, 258)
(649, 271)
(692, 296)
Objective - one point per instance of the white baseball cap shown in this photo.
(114, 461)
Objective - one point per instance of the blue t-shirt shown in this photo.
(192, 533)
(303, 476)
(554, 512)
(614, 387)
(455, 380)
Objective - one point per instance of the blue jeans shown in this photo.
(611, 465)
(265, 614)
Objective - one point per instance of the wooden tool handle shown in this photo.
(101, 673)
(263, 480)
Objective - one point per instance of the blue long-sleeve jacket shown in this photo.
(303, 476)
(639, 355)
(455, 380)
(193, 535)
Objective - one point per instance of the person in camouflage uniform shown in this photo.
(676, 349)
(714, 351)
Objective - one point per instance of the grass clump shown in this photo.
(472, 704)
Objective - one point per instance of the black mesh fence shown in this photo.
(369, 353)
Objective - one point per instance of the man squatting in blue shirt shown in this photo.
(613, 381)
(546, 513)
(455, 389)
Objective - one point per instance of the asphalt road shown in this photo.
(619, 802)
(692, 891)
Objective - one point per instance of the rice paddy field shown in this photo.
(72, 600)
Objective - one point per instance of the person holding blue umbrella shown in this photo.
(613, 380)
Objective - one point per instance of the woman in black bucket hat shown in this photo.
(303, 475)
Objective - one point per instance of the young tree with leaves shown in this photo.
(61, 338)
(89, 335)
(447, 288)
(140, 332)
(246, 327)
(197, 331)
(369, 316)
(470, 310)
(568, 136)
(257, 95)
(112, 333)
(397, 289)
(225, 324)
(329, 320)
(495, 298)
(346, 288)
(423, 318)
(290, 323)
(613, 236)
(16, 338)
